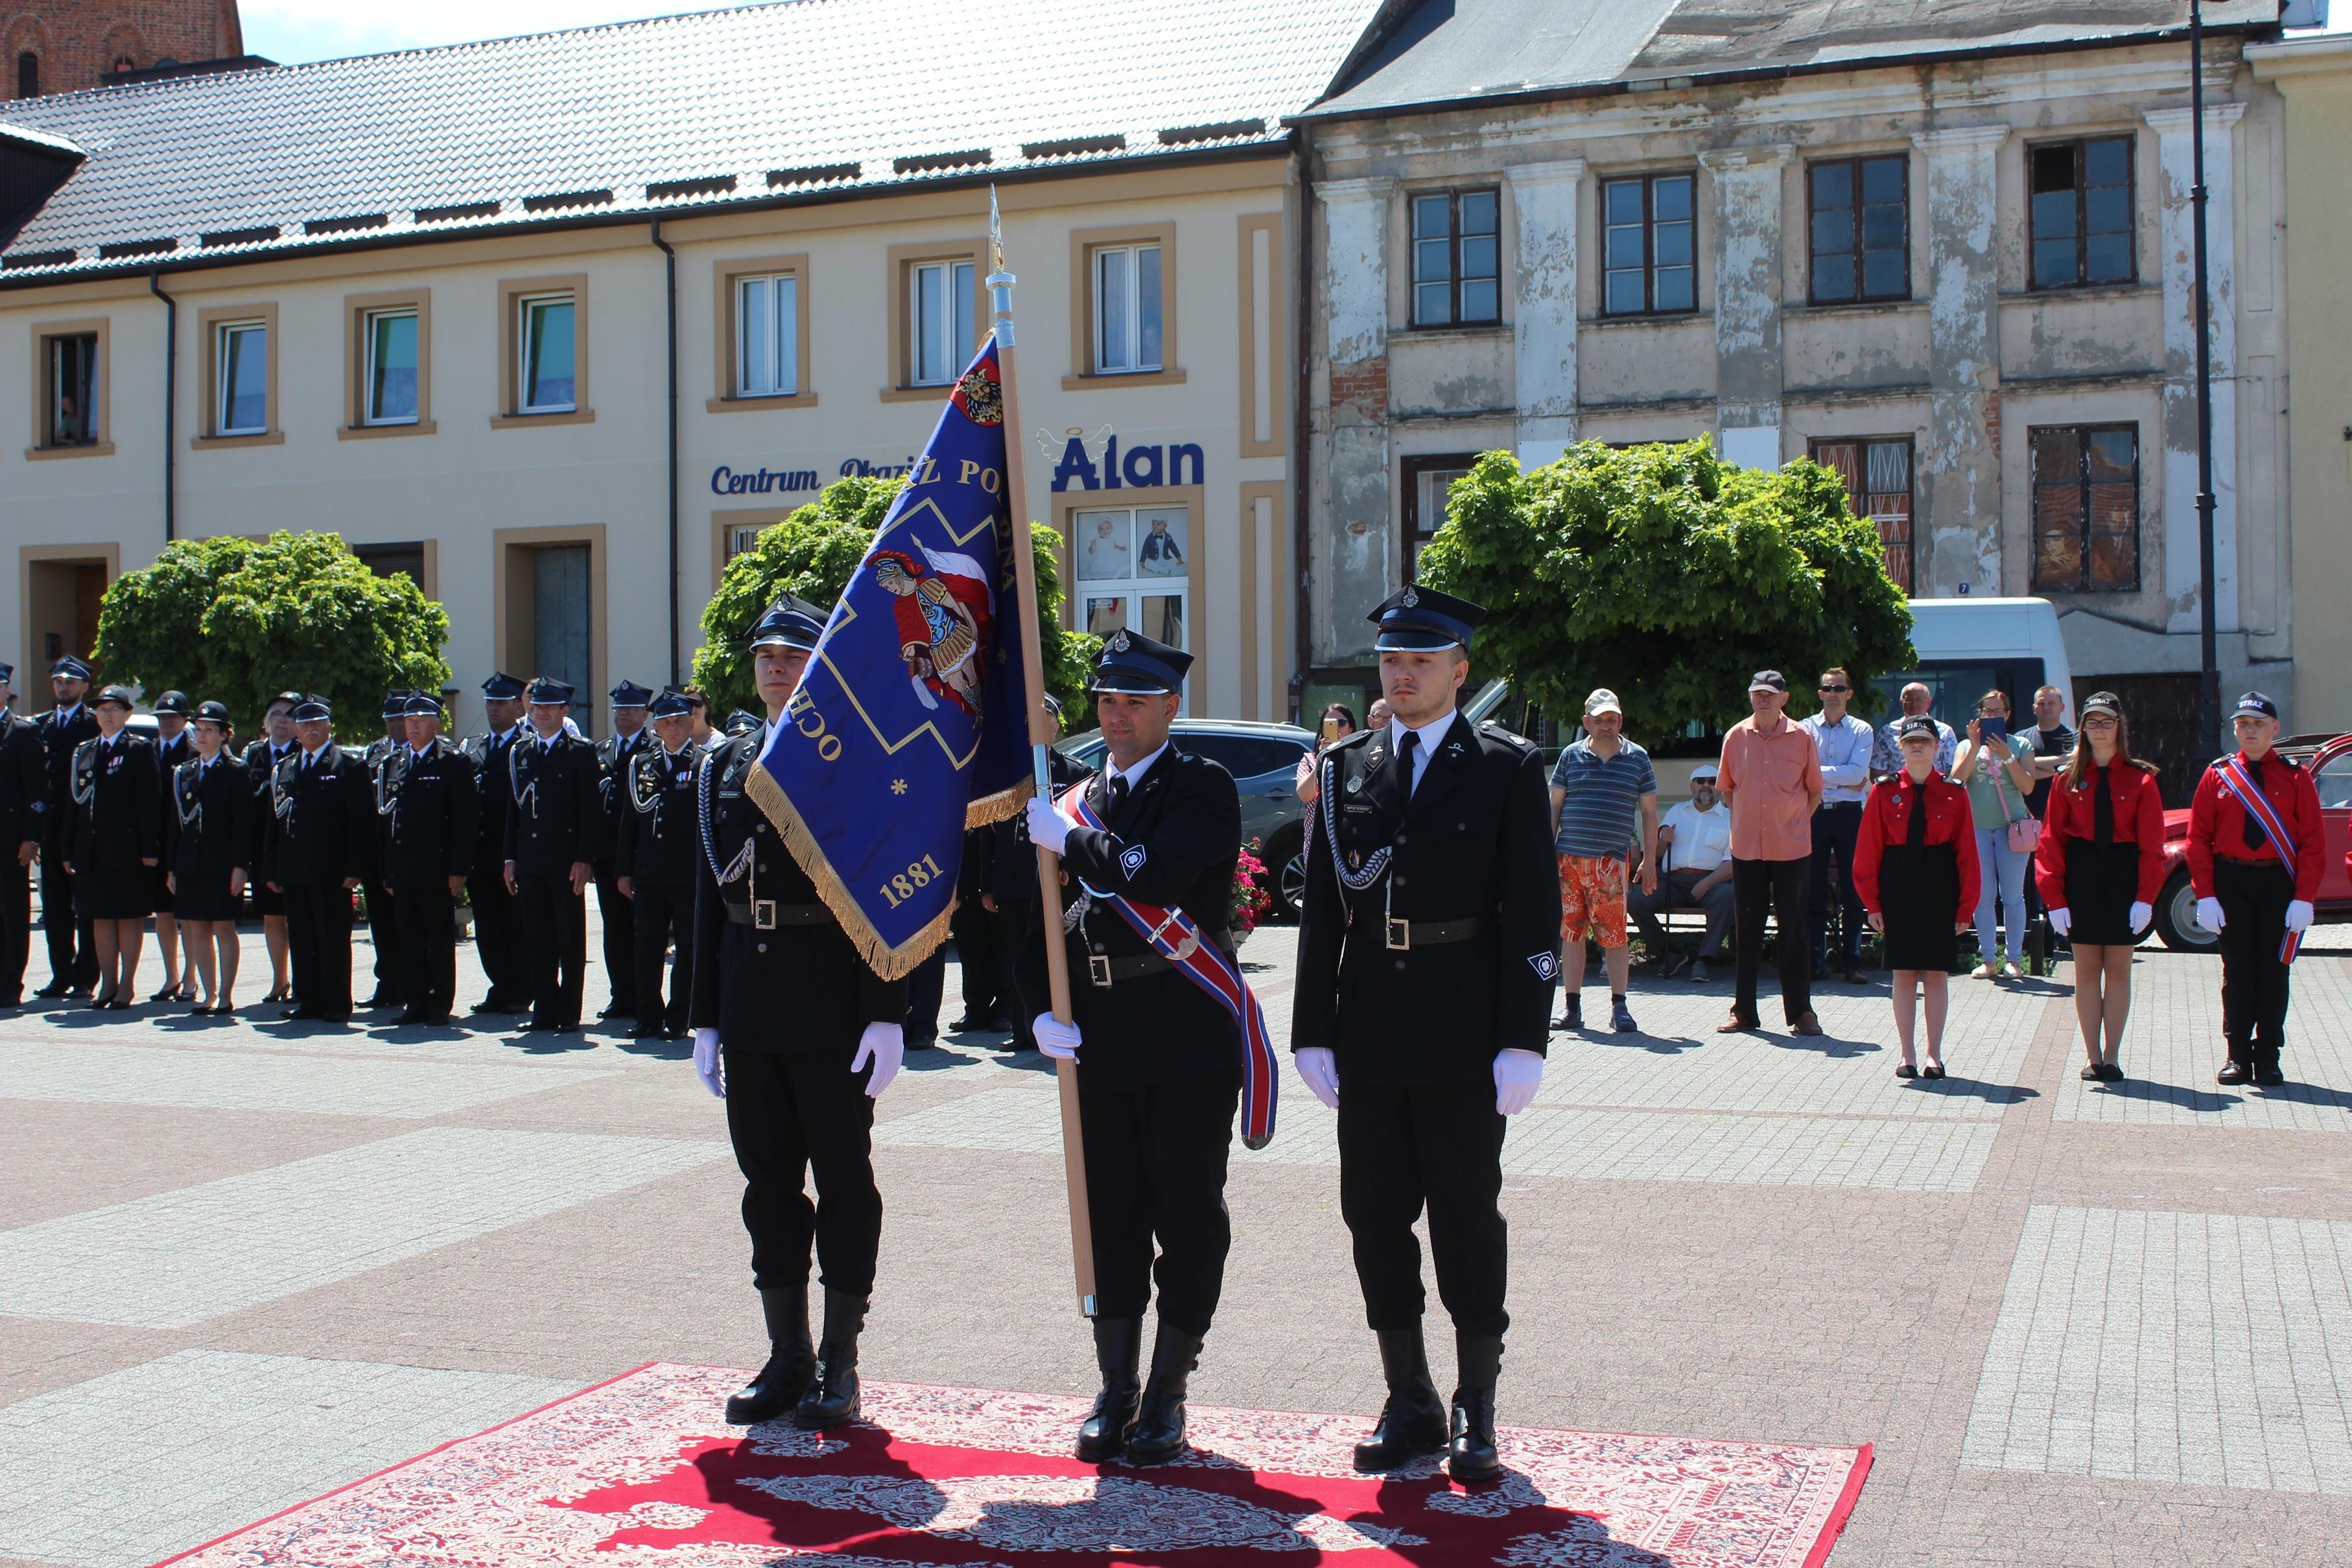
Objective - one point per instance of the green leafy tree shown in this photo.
(233, 620)
(1669, 576)
(814, 553)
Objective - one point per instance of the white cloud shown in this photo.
(292, 31)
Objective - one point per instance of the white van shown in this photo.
(1968, 646)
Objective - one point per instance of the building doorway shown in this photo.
(62, 597)
(552, 610)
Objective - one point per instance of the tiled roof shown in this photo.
(1447, 51)
(736, 105)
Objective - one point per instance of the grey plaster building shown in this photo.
(1942, 247)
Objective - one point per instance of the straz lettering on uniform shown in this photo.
(802, 712)
(901, 887)
(727, 481)
(1138, 467)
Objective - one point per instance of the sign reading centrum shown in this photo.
(727, 481)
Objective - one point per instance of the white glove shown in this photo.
(2059, 920)
(706, 1062)
(2142, 915)
(1055, 1038)
(2209, 914)
(1048, 828)
(884, 1045)
(1320, 1071)
(1517, 1074)
(2298, 914)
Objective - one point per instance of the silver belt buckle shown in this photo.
(1400, 934)
(764, 914)
(1098, 970)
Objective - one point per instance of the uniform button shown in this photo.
(763, 946)
(760, 827)
(1400, 838)
(1398, 880)
(1399, 963)
(763, 870)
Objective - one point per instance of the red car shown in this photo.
(2328, 759)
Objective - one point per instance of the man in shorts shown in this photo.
(1600, 787)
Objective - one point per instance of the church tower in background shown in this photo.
(67, 46)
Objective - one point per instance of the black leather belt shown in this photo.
(1104, 972)
(1403, 936)
(766, 913)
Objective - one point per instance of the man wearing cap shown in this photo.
(73, 956)
(383, 922)
(787, 1018)
(427, 802)
(614, 756)
(1426, 962)
(1695, 873)
(1601, 786)
(1886, 750)
(2255, 855)
(318, 844)
(497, 942)
(555, 828)
(1159, 1062)
(274, 745)
(654, 864)
(1770, 776)
(23, 800)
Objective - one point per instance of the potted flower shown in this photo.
(1251, 900)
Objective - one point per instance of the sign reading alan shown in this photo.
(1095, 463)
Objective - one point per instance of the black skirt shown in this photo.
(161, 898)
(1920, 891)
(114, 891)
(2102, 884)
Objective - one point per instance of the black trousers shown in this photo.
(1011, 919)
(73, 958)
(789, 1115)
(425, 932)
(16, 926)
(1403, 1145)
(619, 914)
(1835, 899)
(554, 933)
(2253, 982)
(927, 984)
(1156, 1172)
(319, 941)
(982, 965)
(1780, 886)
(497, 945)
(391, 969)
(663, 920)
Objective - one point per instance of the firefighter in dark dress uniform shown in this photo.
(118, 842)
(426, 802)
(614, 754)
(653, 864)
(269, 749)
(24, 802)
(2253, 890)
(1160, 1061)
(555, 827)
(73, 956)
(383, 919)
(1425, 975)
(497, 942)
(173, 746)
(318, 844)
(787, 1018)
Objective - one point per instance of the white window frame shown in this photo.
(370, 412)
(955, 274)
(524, 343)
(1125, 356)
(226, 334)
(784, 308)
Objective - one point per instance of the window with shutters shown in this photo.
(2086, 508)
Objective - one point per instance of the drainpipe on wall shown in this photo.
(669, 272)
(1302, 549)
(171, 391)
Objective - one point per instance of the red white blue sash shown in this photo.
(1176, 937)
(2237, 781)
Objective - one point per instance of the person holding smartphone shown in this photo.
(1998, 783)
(1339, 723)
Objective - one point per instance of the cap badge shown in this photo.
(1409, 599)
(1354, 785)
(1118, 643)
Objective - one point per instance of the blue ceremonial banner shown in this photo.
(911, 724)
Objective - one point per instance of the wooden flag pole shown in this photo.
(1041, 740)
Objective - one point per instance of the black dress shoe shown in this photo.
(1856, 978)
(1158, 1434)
(974, 1023)
(1470, 1454)
(1119, 1351)
(1412, 1422)
(648, 1032)
(791, 1361)
(379, 1001)
(2268, 1076)
(2235, 1071)
(168, 994)
(832, 1399)
(419, 1016)
(52, 991)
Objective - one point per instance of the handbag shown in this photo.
(2025, 831)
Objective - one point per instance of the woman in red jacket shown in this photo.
(1915, 868)
(2099, 864)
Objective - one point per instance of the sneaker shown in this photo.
(2009, 972)
(1984, 972)
(1620, 1016)
(1573, 1014)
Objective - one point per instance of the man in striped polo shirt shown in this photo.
(1599, 785)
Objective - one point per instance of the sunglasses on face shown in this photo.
(1832, 688)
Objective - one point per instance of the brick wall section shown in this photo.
(1363, 384)
(76, 41)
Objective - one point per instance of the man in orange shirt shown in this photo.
(1771, 779)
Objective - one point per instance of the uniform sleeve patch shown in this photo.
(1546, 965)
(1130, 860)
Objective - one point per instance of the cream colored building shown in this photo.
(425, 300)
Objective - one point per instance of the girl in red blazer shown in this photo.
(1915, 868)
(2099, 865)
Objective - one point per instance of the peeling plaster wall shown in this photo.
(1746, 185)
(1352, 552)
(1956, 537)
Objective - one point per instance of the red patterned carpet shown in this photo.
(641, 1472)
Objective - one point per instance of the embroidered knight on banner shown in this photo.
(942, 606)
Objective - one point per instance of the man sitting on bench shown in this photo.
(1695, 873)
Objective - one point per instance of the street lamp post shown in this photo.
(2209, 699)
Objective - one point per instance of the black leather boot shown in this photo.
(832, 1399)
(1470, 1454)
(1119, 1348)
(791, 1361)
(1159, 1430)
(1412, 1422)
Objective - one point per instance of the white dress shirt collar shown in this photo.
(1426, 740)
(1132, 775)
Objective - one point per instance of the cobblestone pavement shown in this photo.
(243, 1262)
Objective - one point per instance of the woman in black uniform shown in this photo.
(261, 759)
(1915, 867)
(118, 827)
(173, 748)
(211, 810)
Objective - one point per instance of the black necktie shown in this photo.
(1406, 744)
(2249, 827)
(2103, 810)
(1118, 790)
(1914, 832)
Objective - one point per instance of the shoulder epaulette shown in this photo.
(1494, 731)
(1360, 737)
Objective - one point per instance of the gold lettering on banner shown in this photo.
(802, 711)
(901, 887)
